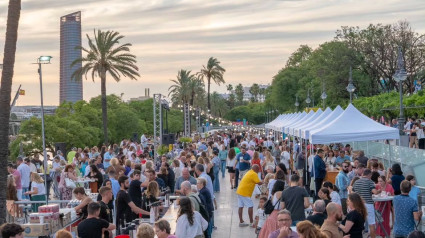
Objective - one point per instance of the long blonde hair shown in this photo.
(36, 178)
(307, 229)
(269, 157)
(114, 161)
(153, 189)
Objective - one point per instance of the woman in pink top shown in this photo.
(384, 186)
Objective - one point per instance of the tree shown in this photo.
(218, 105)
(13, 15)
(229, 88)
(104, 56)
(185, 88)
(239, 93)
(255, 90)
(214, 72)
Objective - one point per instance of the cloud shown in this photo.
(252, 38)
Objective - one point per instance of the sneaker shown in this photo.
(243, 224)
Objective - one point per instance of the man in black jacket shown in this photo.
(207, 201)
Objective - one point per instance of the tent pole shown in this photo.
(367, 148)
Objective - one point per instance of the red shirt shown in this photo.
(17, 177)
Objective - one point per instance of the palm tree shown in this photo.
(106, 55)
(255, 90)
(239, 93)
(214, 72)
(229, 88)
(181, 91)
(13, 15)
(219, 106)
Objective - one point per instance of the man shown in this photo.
(406, 211)
(295, 199)
(105, 212)
(11, 230)
(284, 222)
(365, 188)
(151, 176)
(199, 170)
(362, 158)
(243, 160)
(107, 157)
(318, 216)
(171, 177)
(356, 171)
(301, 165)
(245, 189)
(342, 182)
(92, 226)
(11, 168)
(285, 157)
(330, 226)
(70, 156)
(186, 190)
(144, 141)
(207, 201)
(319, 172)
(25, 172)
(99, 164)
(126, 209)
(185, 177)
(33, 169)
(135, 189)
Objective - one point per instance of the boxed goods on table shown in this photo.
(43, 217)
(48, 208)
(36, 230)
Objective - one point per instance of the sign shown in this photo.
(244, 122)
(308, 109)
(239, 123)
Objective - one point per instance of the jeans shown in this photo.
(210, 226)
(216, 182)
(236, 177)
(24, 190)
(318, 183)
(223, 168)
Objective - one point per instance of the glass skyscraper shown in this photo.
(71, 90)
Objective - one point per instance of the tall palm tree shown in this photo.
(13, 15)
(255, 90)
(214, 72)
(105, 56)
(229, 88)
(181, 90)
(239, 93)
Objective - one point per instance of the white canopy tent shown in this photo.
(306, 117)
(325, 121)
(312, 122)
(350, 126)
(268, 125)
(277, 126)
(297, 125)
(273, 125)
(281, 127)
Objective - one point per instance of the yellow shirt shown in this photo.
(247, 184)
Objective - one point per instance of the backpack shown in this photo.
(202, 210)
(269, 206)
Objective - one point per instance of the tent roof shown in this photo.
(297, 125)
(283, 125)
(313, 122)
(350, 126)
(305, 134)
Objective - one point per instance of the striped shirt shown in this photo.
(364, 187)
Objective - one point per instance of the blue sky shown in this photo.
(251, 38)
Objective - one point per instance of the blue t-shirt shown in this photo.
(404, 223)
(414, 192)
(395, 181)
(243, 166)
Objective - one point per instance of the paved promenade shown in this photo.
(226, 217)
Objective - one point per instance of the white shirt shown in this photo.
(310, 163)
(335, 197)
(184, 229)
(284, 158)
(25, 172)
(40, 188)
(261, 217)
(252, 143)
(33, 169)
(230, 163)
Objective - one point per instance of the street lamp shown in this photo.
(350, 87)
(43, 60)
(399, 76)
(308, 100)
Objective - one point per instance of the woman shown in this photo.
(176, 168)
(190, 223)
(11, 196)
(98, 178)
(256, 160)
(80, 194)
(66, 193)
(397, 177)
(38, 191)
(107, 183)
(115, 165)
(209, 168)
(384, 186)
(127, 166)
(145, 231)
(150, 195)
(353, 224)
(271, 223)
(306, 229)
(330, 159)
(325, 195)
(268, 161)
(163, 229)
(230, 164)
(163, 174)
(222, 155)
(63, 234)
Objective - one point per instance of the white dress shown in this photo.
(184, 229)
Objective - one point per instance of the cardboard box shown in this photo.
(36, 229)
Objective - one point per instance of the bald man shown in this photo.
(318, 216)
(330, 226)
(245, 189)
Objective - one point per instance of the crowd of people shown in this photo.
(286, 178)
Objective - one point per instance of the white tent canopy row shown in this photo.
(324, 127)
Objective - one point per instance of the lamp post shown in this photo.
(350, 87)
(399, 76)
(43, 60)
(296, 102)
(308, 100)
(324, 95)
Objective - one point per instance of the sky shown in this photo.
(251, 38)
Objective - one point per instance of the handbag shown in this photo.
(69, 183)
(269, 207)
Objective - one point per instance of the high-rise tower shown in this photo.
(70, 37)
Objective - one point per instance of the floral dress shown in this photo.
(66, 193)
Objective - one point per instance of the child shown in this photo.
(415, 191)
(260, 218)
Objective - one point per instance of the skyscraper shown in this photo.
(70, 37)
